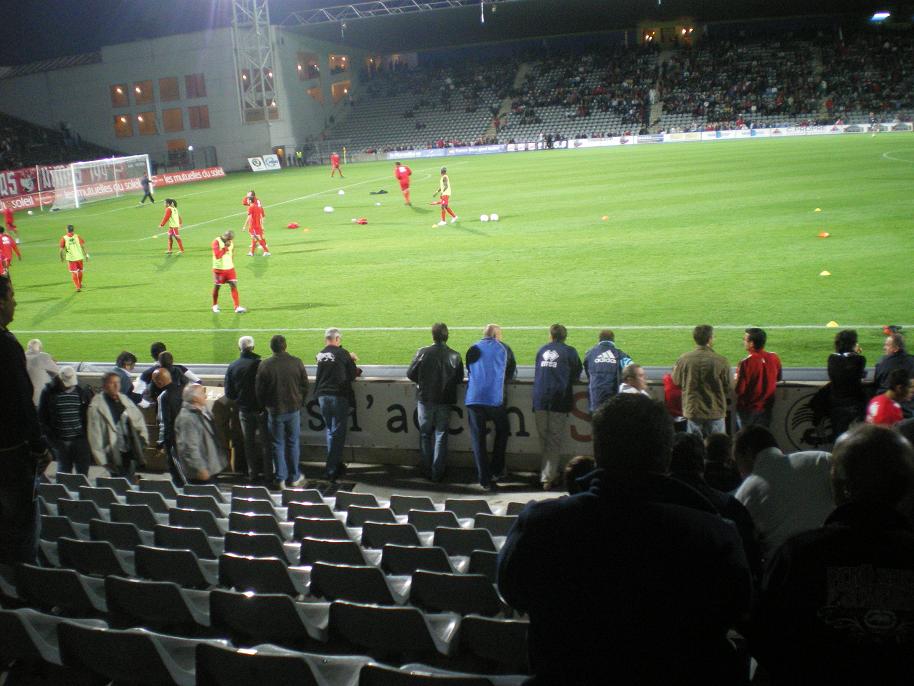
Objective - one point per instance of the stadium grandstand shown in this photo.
(682, 521)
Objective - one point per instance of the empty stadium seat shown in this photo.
(484, 562)
(32, 636)
(71, 481)
(255, 545)
(332, 529)
(254, 618)
(301, 495)
(463, 541)
(190, 538)
(255, 506)
(309, 511)
(141, 516)
(499, 644)
(425, 520)
(406, 559)
(82, 511)
(154, 500)
(161, 486)
(402, 504)
(61, 591)
(373, 674)
(204, 502)
(122, 535)
(461, 593)
(180, 566)
(257, 523)
(158, 605)
(379, 534)
(201, 519)
(496, 525)
(94, 557)
(118, 484)
(467, 508)
(332, 551)
(206, 489)
(252, 493)
(218, 666)
(346, 498)
(358, 583)
(357, 515)
(54, 492)
(261, 575)
(53, 527)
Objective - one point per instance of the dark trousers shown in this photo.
(433, 428)
(256, 445)
(147, 194)
(71, 453)
(335, 411)
(18, 507)
(750, 418)
(478, 416)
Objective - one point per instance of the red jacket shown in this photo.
(756, 379)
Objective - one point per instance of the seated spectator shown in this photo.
(200, 457)
(785, 494)
(660, 611)
(576, 470)
(720, 469)
(62, 412)
(885, 409)
(116, 429)
(41, 368)
(837, 604)
(896, 357)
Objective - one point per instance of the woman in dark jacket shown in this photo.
(846, 371)
(62, 413)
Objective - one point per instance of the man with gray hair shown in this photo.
(896, 357)
(41, 368)
(240, 387)
(336, 371)
(634, 380)
(200, 457)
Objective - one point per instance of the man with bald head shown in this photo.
(169, 405)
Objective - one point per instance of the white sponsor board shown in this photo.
(271, 162)
(256, 164)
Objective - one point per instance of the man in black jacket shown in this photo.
(336, 371)
(169, 405)
(240, 378)
(62, 413)
(437, 370)
(896, 357)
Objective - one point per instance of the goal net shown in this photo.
(84, 182)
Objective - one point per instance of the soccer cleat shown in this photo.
(240, 310)
(215, 308)
(17, 241)
(441, 223)
(267, 253)
(168, 252)
(454, 220)
(250, 254)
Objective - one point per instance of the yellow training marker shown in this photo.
(824, 273)
(818, 209)
(832, 325)
(604, 217)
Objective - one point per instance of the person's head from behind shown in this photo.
(161, 377)
(632, 436)
(492, 331)
(246, 343)
(635, 376)
(126, 360)
(578, 467)
(754, 339)
(719, 448)
(111, 385)
(872, 464)
(558, 333)
(70, 228)
(332, 336)
(846, 341)
(278, 343)
(34, 346)
(171, 202)
(607, 335)
(749, 442)
(195, 394)
(439, 332)
(157, 349)
(688, 455)
(166, 359)
(703, 334)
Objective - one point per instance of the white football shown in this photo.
(494, 217)
(30, 212)
(328, 209)
(341, 192)
(377, 204)
(483, 217)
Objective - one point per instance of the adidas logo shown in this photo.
(605, 358)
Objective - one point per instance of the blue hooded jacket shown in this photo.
(487, 362)
(604, 364)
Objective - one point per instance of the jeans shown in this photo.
(551, 427)
(750, 418)
(478, 416)
(72, 453)
(706, 427)
(284, 432)
(256, 452)
(433, 433)
(335, 411)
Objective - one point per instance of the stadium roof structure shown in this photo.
(379, 8)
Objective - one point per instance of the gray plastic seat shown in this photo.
(71, 481)
(309, 511)
(357, 515)
(270, 664)
(200, 502)
(158, 605)
(140, 516)
(165, 488)
(497, 525)
(332, 529)
(201, 519)
(255, 506)
(256, 523)
(500, 643)
(301, 495)
(253, 618)
(93, 557)
(463, 541)
(252, 493)
(484, 562)
(56, 526)
(467, 508)
(254, 544)
(154, 500)
(179, 566)
(62, 591)
(188, 538)
(29, 635)
(206, 489)
(54, 492)
(379, 534)
(332, 551)
(122, 535)
(461, 593)
(346, 498)
(427, 520)
(358, 583)
(118, 484)
(82, 511)
(402, 504)
(257, 574)
(407, 559)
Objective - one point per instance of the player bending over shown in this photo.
(73, 248)
(335, 164)
(444, 188)
(172, 220)
(7, 248)
(224, 269)
(254, 224)
(402, 174)
(10, 223)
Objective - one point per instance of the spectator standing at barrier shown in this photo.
(785, 494)
(634, 380)
(490, 365)
(281, 387)
(336, 371)
(757, 376)
(200, 457)
(896, 357)
(846, 371)
(146, 184)
(23, 453)
(556, 368)
(659, 614)
(41, 367)
(145, 379)
(837, 603)
(117, 430)
(436, 370)
(63, 410)
(704, 377)
(885, 408)
(603, 365)
(123, 367)
(167, 408)
(241, 387)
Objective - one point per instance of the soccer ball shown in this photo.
(494, 217)
(328, 209)
(31, 213)
(483, 217)
(341, 192)
(377, 204)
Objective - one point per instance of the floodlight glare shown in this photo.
(880, 16)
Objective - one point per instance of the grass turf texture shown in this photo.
(724, 233)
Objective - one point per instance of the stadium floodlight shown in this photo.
(880, 16)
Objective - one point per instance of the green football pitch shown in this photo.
(723, 233)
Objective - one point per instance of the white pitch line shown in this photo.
(888, 156)
(370, 329)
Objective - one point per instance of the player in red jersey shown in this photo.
(335, 164)
(224, 269)
(172, 220)
(885, 409)
(73, 249)
(254, 223)
(402, 174)
(7, 248)
(8, 220)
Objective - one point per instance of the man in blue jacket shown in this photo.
(557, 367)
(490, 363)
(603, 364)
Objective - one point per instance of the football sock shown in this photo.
(235, 296)
(215, 295)
(253, 245)
(263, 244)
(180, 245)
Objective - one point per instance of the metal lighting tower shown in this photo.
(252, 43)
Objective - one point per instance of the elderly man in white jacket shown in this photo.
(200, 456)
(117, 429)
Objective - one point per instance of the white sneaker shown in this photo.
(266, 254)
(454, 220)
(250, 254)
(215, 308)
(298, 483)
(240, 310)
(441, 223)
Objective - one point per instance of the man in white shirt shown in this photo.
(41, 367)
(634, 380)
(785, 494)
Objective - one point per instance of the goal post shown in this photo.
(84, 182)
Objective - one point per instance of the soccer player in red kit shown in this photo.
(254, 224)
(335, 164)
(172, 220)
(7, 248)
(402, 174)
(8, 220)
(72, 248)
(224, 269)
